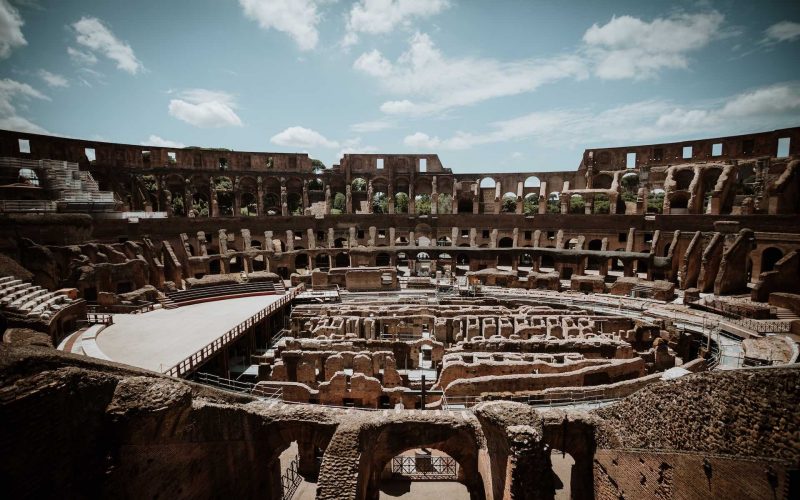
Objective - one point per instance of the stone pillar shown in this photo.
(454, 234)
(537, 235)
(493, 239)
(268, 245)
(331, 238)
(348, 199)
(434, 197)
(328, 200)
(187, 197)
(498, 197)
(520, 196)
(213, 208)
(390, 201)
(412, 205)
(353, 242)
(284, 199)
(627, 267)
(454, 199)
(260, 194)
(412, 241)
(515, 237)
(289, 240)
(473, 236)
(305, 196)
(369, 196)
(371, 240)
(237, 198)
(476, 197)
(312, 240)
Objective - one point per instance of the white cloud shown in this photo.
(784, 31)
(157, 141)
(627, 47)
(11, 91)
(301, 137)
(205, 108)
(52, 79)
(81, 57)
(11, 35)
(94, 35)
(354, 146)
(297, 18)
(383, 16)
(775, 106)
(371, 126)
(444, 83)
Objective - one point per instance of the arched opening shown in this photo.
(595, 244)
(444, 241)
(402, 259)
(576, 204)
(28, 176)
(199, 205)
(259, 263)
(630, 186)
(562, 464)
(532, 182)
(655, 201)
(383, 260)
(505, 242)
(509, 203)
(294, 203)
(769, 257)
(547, 262)
(235, 264)
(422, 204)
(679, 202)
(530, 205)
(380, 203)
(401, 203)
(338, 203)
(343, 259)
(602, 181)
(617, 264)
(464, 206)
(601, 205)
(339, 243)
(322, 262)
(487, 182)
(553, 203)
(358, 185)
(249, 205)
(316, 185)
(444, 204)
(214, 266)
(683, 179)
(301, 261)
(224, 191)
(438, 449)
(423, 241)
(272, 204)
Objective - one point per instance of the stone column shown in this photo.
(284, 199)
(454, 198)
(213, 205)
(493, 239)
(520, 196)
(369, 196)
(237, 198)
(391, 236)
(353, 242)
(371, 240)
(260, 194)
(515, 237)
(454, 234)
(473, 236)
(434, 197)
(331, 238)
(390, 201)
(348, 199)
(289, 240)
(187, 197)
(328, 200)
(412, 241)
(498, 197)
(412, 205)
(312, 240)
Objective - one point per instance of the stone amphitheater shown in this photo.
(193, 323)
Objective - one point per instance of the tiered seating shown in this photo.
(74, 185)
(208, 293)
(25, 299)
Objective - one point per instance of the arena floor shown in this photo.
(160, 339)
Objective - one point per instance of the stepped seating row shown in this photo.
(19, 297)
(210, 292)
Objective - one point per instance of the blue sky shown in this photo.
(489, 86)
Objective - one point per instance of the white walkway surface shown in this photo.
(159, 339)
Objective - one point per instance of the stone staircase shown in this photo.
(27, 300)
(209, 293)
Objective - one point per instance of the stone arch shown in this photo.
(769, 257)
(248, 205)
(342, 259)
(683, 178)
(322, 261)
(508, 203)
(505, 242)
(456, 439)
(487, 183)
(383, 259)
(595, 244)
(532, 182)
(576, 204)
(602, 181)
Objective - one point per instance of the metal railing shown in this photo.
(426, 467)
(291, 479)
(122, 308)
(192, 362)
(27, 206)
(94, 318)
(230, 385)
